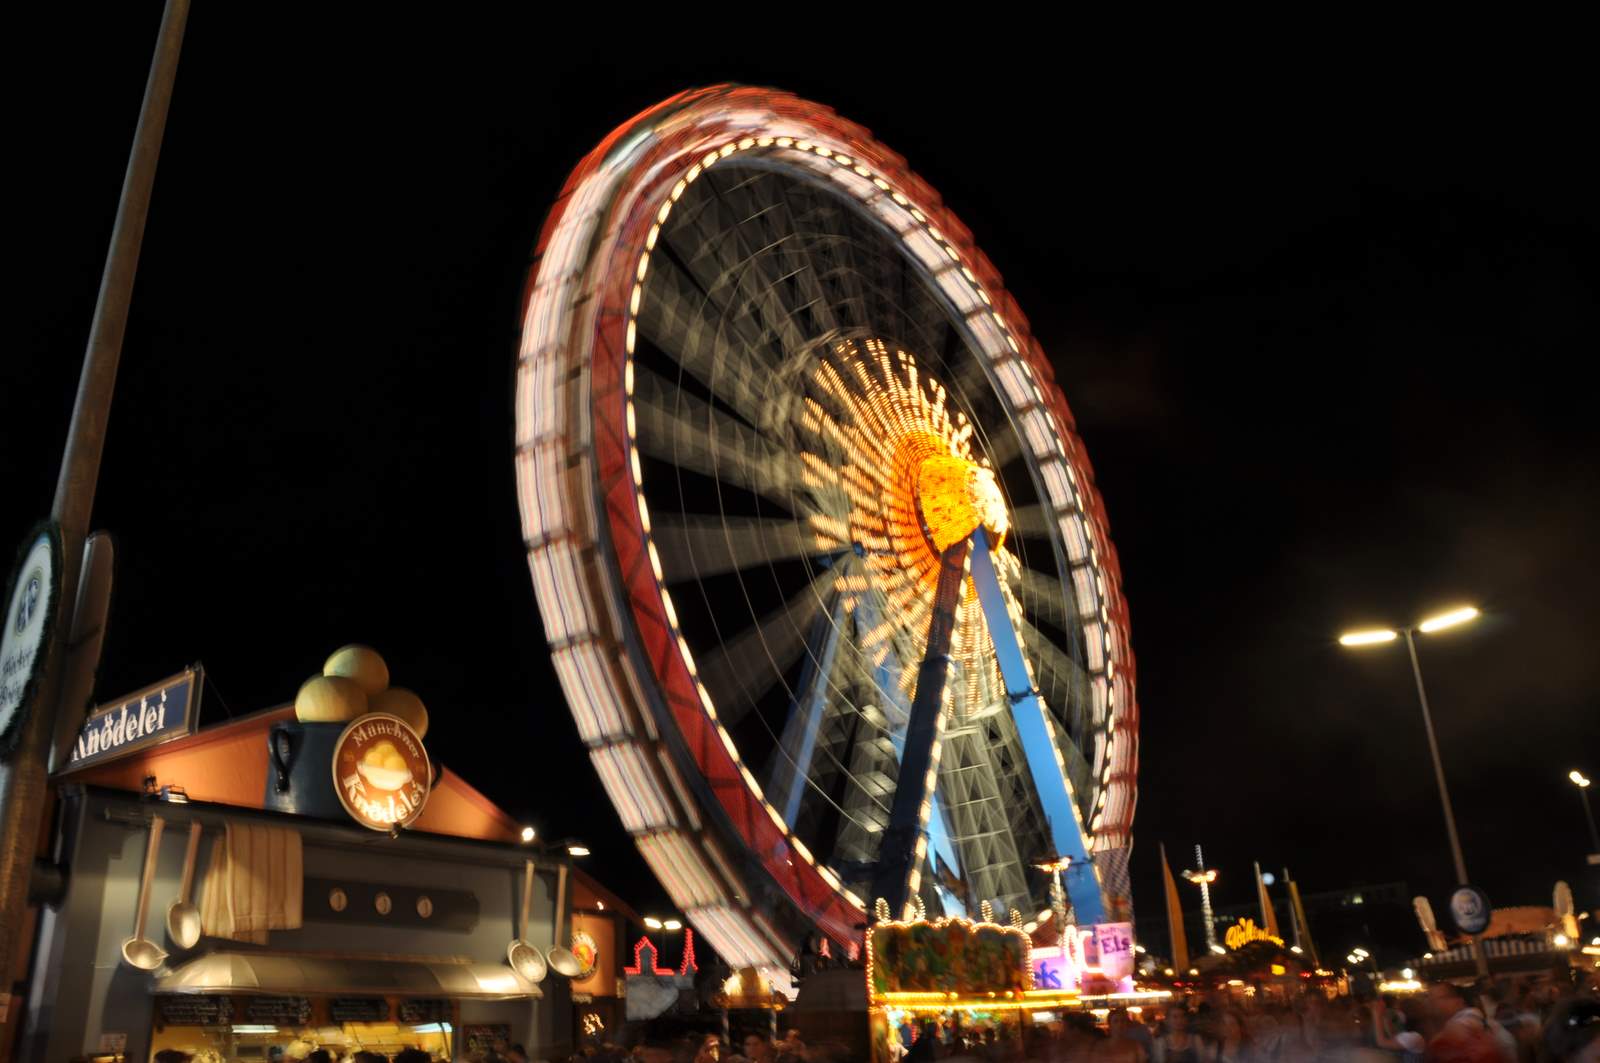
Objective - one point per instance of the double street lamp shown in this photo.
(1429, 626)
(1582, 782)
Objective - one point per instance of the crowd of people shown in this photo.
(1542, 1023)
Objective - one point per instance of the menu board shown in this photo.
(358, 1009)
(485, 1039)
(425, 1010)
(278, 1011)
(186, 1010)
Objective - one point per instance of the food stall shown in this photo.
(301, 877)
(954, 972)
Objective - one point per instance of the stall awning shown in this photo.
(305, 975)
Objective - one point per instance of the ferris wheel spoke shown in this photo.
(685, 431)
(1031, 520)
(730, 669)
(829, 229)
(794, 248)
(722, 245)
(1040, 595)
(696, 547)
(1043, 653)
(797, 747)
(1004, 448)
(688, 327)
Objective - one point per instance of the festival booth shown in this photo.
(980, 976)
(1257, 967)
(600, 922)
(1519, 943)
(301, 877)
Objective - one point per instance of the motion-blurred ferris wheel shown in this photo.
(821, 563)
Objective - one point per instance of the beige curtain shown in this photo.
(254, 883)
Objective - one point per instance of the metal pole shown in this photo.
(23, 779)
(1588, 812)
(1444, 791)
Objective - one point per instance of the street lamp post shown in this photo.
(666, 926)
(1428, 627)
(1204, 877)
(1582, 782)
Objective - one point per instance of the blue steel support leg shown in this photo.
(897, 855)
(1049, 776)
(886, 677)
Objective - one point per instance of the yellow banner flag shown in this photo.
(1303, 934)
(1269, 918)
(1180, 944)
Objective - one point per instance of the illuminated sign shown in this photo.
(30, 616)
(1105, 949)
(587, 953)
(1114, 942)
(1245, 931)
(155, 714)
(381, 771)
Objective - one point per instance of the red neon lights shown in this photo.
(638, 965)
(689, 965)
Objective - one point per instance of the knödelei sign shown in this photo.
(158, 713)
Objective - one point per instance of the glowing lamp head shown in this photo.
(1579, 779)
(527, 834)
(1450, 619)
(1367, 638)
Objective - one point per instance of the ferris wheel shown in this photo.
(824, 574)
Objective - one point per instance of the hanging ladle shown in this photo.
(562, 961)
(523, 957)
(183, 918)
(138, 950)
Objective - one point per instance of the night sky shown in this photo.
(1325, 332)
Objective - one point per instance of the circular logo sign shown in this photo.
(30, 612)
(381, 771)
(587, 952)
(1469, 908)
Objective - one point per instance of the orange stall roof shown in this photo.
(227, 765)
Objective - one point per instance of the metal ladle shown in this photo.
(524, 958)
(183, 918)
(138, 950)
(562, 961)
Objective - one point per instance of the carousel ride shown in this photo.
(820, 559)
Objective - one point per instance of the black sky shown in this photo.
(1328, 332)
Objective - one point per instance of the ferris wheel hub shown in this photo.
(956, 496)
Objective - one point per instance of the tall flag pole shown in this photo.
(23, 774)
(1294, 919)
(1269, 918)
(1302, 929)
(1180, 944)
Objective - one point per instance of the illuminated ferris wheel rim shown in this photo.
(580, 490)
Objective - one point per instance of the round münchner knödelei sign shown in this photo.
(381, 771)
(587, 952)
